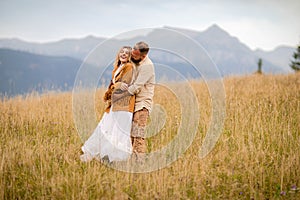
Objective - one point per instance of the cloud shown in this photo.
(274, 22)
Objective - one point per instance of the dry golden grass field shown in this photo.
(256, 157)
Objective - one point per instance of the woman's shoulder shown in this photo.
(128, 66)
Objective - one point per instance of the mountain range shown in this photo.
(29, 66)
(22, 72)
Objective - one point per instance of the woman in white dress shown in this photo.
(111, 138)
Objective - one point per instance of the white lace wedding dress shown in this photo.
(110, 138)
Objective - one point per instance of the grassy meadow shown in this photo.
(256, 157)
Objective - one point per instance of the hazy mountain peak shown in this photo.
(215, 30)
(215, 26)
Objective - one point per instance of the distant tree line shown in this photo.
(295, 62)
(259, 64)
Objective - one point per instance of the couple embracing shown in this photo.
(121, 131)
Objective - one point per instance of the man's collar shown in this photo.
(141, 62)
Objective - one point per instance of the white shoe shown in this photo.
(86, 157)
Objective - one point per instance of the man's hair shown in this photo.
(143, 47)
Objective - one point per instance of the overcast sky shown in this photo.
(263, 24)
